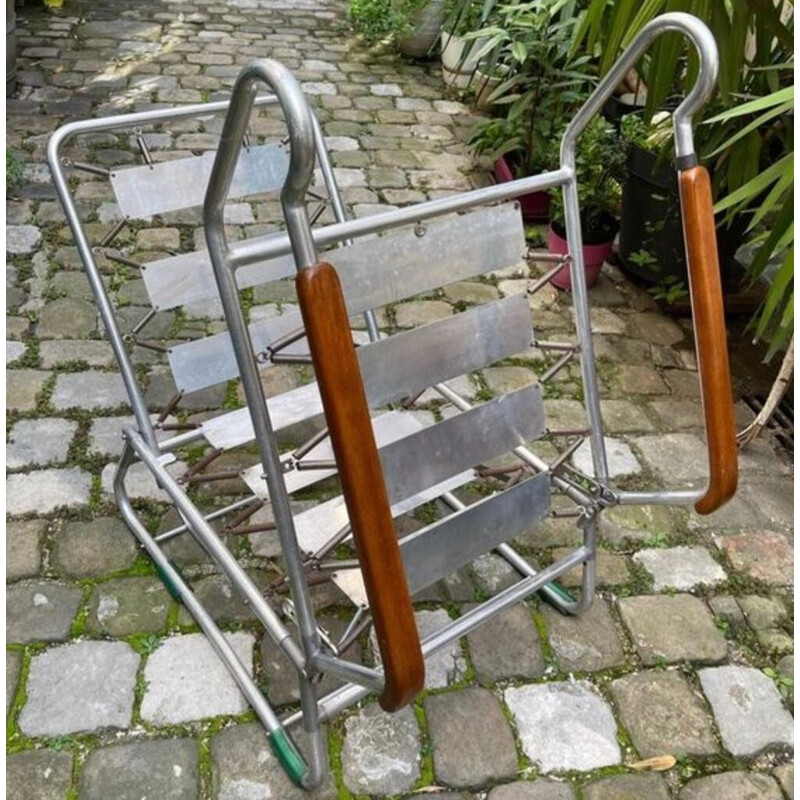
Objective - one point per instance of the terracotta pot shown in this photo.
(594, 256)
(535, 205)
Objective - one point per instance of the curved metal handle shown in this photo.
(703, 40)
(701, 250)
(342, 390)
(705, 287)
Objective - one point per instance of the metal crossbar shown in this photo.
(478, 233)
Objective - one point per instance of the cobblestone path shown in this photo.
(112, 693)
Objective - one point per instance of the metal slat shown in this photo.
(387, 428)
(402, 364)
(484, 432)
(448, 544)
(189, 278)
(317, 525)
(375, 272)
(175, 185)
(409, 362)
(235, 428)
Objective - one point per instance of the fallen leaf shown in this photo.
(655, 764)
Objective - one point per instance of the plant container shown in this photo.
(11, 48)
(594, 256)
(535, 205)
(426, 26)
(651, 223)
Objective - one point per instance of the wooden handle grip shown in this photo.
(347, 414)
(709, 328)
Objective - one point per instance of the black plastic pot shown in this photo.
(614, 109)
(651, 223)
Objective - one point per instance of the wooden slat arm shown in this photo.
(709, 329)
(347, 414)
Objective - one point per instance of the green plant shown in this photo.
(670, 290)
(530, 48)
(466, 16)
(769, 200)
(599, 168)
(784, 683)
(750, 127)
(13, 171)
(378, 19)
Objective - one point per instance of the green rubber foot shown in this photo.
(558, 590)
(288, 756)
(167, 581)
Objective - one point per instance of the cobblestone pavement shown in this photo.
(112, 693)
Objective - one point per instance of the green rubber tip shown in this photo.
(288, 756)
(558, 590)
(167, 581)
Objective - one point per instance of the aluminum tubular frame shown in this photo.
(307, 656)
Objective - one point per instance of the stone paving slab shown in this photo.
(167, 770)
(24, 548)
(180, 675)
(564, 726)
(732, 786)
(39, 442)
(244, 766)
(381, 752)
(542, 789)
(680, 568)
(40, 612)
(627, 787)
(509, 648)
(47, 490)
(464, 756)
(584, 643)
(80, 687)
(39, 774)
(673, 628)
(747, 708)
(662, 714)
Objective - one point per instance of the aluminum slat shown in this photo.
(375, 272)
(484, 432)
(188, 278)
(400, 365)
(175, 185)
(450, 543)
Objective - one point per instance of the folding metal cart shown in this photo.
(388, 460)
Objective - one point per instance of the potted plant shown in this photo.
(421, 25)
(540, 83)
(756, 58)
(599, 166)
(651, 244)
(415, 24)
(459, 61)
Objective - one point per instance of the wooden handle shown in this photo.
(347, 414)
(709, 328)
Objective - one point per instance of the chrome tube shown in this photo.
(220, 644)
(264, 247)
(212, 544)
(342, 698)
(293, 195)
(703, 40)
(104, 307)
(583, 325)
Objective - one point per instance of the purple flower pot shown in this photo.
(594, 255)
(535, 205)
